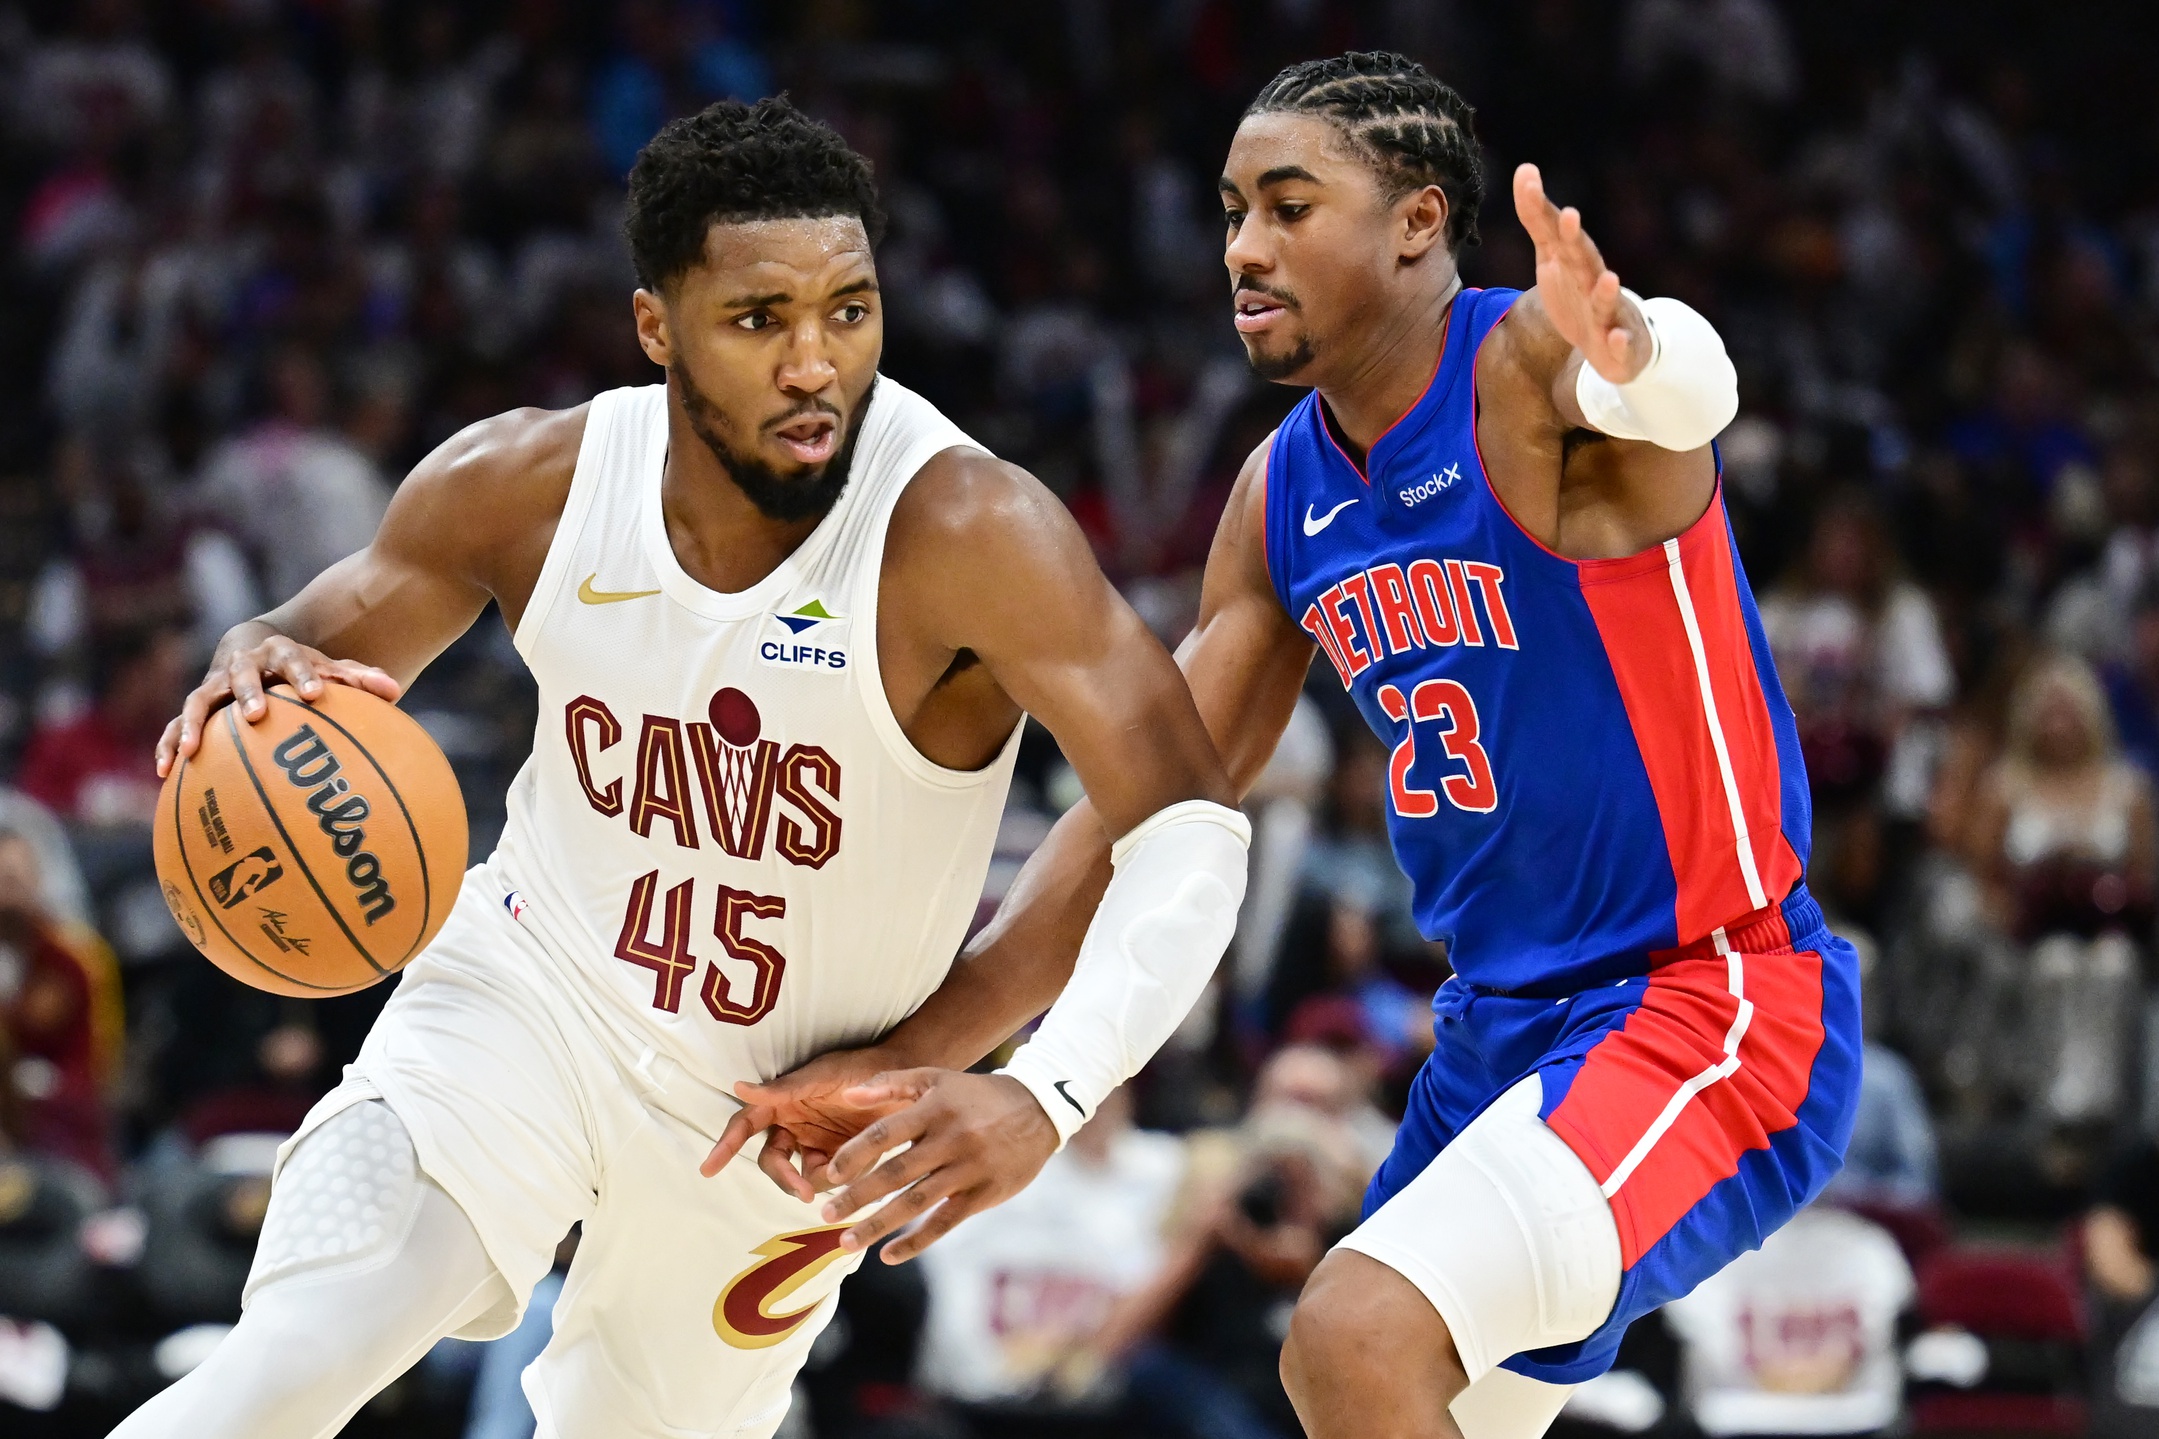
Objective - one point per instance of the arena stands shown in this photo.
(267, 253)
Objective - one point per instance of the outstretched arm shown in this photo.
(471, 522)
(1244, 663)
(1631, 369)
(1595, 407)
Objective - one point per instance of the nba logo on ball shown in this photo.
(809, 636)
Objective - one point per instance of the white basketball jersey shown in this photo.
(723, 836)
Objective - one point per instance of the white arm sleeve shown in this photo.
(1684, 396)
(1163, 923)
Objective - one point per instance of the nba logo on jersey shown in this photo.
(809, 636)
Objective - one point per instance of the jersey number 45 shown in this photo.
(668, 955)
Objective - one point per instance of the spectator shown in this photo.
(1393, 1020)
(1263, 1204)
(672, 61)
(98, 769)
(1335, 1081)
(2121, 1236)
(137, 563)
(1741, 45)
(300, 495)
(2064, 838)
(1860, 651)
(65, 897)
(272, 1101)
(1892, 1161)
(1350, 932)
(1022, 1297)
(59, 1019)
(1800, 1336)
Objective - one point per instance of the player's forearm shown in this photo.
(380, 610)
(1164, 920)
(1016, 967)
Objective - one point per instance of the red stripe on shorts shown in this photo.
(1674, 1038)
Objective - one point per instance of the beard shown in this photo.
(1272, 368)
(802, 495)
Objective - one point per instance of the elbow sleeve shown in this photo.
(1156, 938)
(1685, 395)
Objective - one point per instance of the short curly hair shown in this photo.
(732, 161)
(1414, 129)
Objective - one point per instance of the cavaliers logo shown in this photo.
(745, 1314)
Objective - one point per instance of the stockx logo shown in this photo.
(808, 617)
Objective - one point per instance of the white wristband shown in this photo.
(1683, 397)
(1163, 923)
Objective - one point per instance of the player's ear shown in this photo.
(652, 334)
(1422, 219)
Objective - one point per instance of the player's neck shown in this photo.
(1385, 377)
(719, 536)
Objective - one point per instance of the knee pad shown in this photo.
(345, 1200)
(1507, 1233)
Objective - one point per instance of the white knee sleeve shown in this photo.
(346, 1198)
(1507, 1405)
(364, 1263)
(1507, 1233)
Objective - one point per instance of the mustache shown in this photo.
(802, 411)
(1247, 285)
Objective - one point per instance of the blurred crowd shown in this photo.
(267, 253)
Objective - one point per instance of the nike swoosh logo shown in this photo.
(592, 596)
(1313, 527)
(1066, 1096)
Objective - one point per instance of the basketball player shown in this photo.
(1498, 517)
(785, 619)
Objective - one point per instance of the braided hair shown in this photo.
(1412, 128)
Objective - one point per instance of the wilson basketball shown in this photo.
(317, 851)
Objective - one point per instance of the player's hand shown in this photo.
(240, 673)
(803, 1117)
(1580, 295)
(973, 1141)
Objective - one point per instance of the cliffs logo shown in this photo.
(747, 1313)
(340, 814)
(809, 637)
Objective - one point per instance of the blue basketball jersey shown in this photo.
(1591, 761)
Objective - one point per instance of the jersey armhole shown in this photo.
(600, 416)
(865, 605)
(1270, 543)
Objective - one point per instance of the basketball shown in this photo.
(317, 851)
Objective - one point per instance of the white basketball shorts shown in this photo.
(692, 1302)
